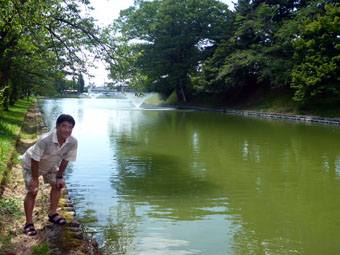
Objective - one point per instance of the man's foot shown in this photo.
(29, 229)
(56, 219)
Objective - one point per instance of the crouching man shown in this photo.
(42, 159)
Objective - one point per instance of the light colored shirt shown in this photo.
(48, 152)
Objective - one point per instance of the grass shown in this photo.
(41, 249)
(264, 100)
(330, 111)
(154, 99)
(5, 243)
(11, 214)
(274, 101)
(10, 208)
(10, 123)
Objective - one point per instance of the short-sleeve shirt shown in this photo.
(48, 152)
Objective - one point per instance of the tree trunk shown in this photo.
(181, 90)
(5, 95)
(28, 93)
(183, 95)
(4, 78)
(13, 96)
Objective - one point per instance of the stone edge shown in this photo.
(66, 208)
(302, 118)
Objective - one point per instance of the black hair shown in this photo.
(65, 117)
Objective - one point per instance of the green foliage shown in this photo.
(41, 249)
(124, 70)
(81, 83)
(154, 99)
(10, 122)
(278, 44)
(5, 242)
(199, 47)
(170, 39)
(192, 47)
(316, 75)
(256, 52)
(39, 39)
(9, 207)
(172, 99)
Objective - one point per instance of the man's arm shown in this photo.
(62, 167)
(60, 180)
(34, 168)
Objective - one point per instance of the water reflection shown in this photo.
(120, 230)
(185, 182)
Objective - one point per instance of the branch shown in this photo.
(89, 34)
(66, 46)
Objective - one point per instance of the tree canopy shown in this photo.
(192, 48)
(171, 39)
(197, 47)
(316, 74)
(43, 41)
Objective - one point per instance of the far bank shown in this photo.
(278, 101)
(259, 100)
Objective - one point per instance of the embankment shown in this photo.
(63, 240)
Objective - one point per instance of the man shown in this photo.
(42, 159)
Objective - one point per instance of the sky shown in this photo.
(105, 11)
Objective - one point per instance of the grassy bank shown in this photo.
(12, 218)
(10, 125)
(19, 130)
(260, 100)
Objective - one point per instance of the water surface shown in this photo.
(165, 181)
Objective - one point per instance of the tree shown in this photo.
(173, 38)
(316, 75)
(244, 58)
(124, 70)
(260, 46)
(50, 36)
(81, 83)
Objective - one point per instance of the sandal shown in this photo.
(59, 221)
(29, 229)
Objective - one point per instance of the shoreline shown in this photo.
(69, 239)
(269, 115)
(250, 113)
(58, 240)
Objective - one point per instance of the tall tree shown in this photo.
(259, 48)
(316, 75)
(124, 71)
(81, 83)
(172, 39)
(52, 35)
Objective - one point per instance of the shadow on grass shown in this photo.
(6, 132)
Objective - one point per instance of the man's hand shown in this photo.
(33, 185)
(60, 183)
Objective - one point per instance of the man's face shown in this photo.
(64, 129)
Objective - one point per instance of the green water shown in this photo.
(164, 181)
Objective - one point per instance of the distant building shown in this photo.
(123, 87)
(70, 91)
(102, 89)
(110, 87)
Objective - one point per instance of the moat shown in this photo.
(154, 180)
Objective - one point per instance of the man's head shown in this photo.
(64, 126)
(65, 117)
